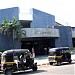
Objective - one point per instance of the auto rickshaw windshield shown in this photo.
(8, 58)
(54, 52)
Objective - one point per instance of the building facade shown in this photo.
(41, 31)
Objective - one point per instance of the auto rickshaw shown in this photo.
(17, 60)
(59, 55)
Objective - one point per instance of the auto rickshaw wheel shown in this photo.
(8, 72)
(34, 68)
(51, 63)
(58, 63)
(70, 61)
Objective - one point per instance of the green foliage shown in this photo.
(71, 48)
(8, 26)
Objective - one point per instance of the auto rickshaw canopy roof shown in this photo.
(15, 51)
(58, 48)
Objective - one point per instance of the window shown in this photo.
(9, 58)
(52, 53)
(58, 53)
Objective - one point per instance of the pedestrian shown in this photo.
(33, 52)
(45, 50)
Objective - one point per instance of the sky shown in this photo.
(63, 10)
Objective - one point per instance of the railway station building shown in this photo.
(42, 31)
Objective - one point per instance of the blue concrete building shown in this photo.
(41, 31)
(42, 19)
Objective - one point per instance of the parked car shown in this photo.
(73, 55)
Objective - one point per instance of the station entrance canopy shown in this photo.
(40, 32)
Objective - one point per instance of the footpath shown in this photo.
(41, 60)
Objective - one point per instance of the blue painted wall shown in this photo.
(9, 13)
(42, 19)
(65, 38)
(5, 41)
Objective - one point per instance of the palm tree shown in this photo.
(12, 27)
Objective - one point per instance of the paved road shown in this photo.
(64, 69)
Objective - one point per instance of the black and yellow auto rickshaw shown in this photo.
(59, 55)
(17, 60)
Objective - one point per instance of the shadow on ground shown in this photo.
(63, 64)
(29, 72)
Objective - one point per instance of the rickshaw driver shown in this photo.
(22, 57)
(63, 54)
(22, 60)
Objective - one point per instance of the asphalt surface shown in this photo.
(41, 60)
(44, 69)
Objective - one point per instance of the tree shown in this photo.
(7, 27)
